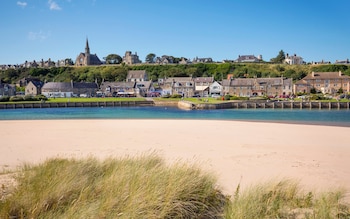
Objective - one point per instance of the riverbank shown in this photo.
(239, 153)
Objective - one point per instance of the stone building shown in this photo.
(85, 59)
(130, 58)
(325, 82)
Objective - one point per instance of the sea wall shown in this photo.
(274, 105)
(75, 104)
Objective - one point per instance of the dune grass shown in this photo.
(146, 187)
(285, 199)
(142, 187)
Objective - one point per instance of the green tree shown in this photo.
(279, 58)
(113, 59)
(150, 58)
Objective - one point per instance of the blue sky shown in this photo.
(222, 29)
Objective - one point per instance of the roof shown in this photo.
(118, 84)
(69, 85)
(136, 74)
(253, 81)
(91, 85)
(37, 84)
(94, 60)
(325, 75)
(57, 85)
(247, 58)
(176, 79)
(204, 80)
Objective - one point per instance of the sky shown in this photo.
(221, 29)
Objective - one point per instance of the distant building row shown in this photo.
(137, 84)
(87, 59)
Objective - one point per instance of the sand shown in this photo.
(237, 152)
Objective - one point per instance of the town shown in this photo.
(138, 83)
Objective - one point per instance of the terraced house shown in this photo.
(325, 82)
(248, 87)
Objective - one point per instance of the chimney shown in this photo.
(313, 74)
(340, 73)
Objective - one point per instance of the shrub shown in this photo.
(16, 98)
(29, 98)
(176, 96)
(40, 97)
(227, 97)
(4, 99)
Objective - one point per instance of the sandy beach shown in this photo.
(242, 153)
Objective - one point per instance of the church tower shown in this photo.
(87, 53)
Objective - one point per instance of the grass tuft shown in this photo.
(285, 199)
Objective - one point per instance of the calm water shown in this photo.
(326, 117)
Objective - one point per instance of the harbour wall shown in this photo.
(75, 104)
(274, 105)
(188, 105)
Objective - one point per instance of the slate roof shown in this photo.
(136, 74)
(204, 80)
(325, 75)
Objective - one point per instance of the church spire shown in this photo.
(87, 48)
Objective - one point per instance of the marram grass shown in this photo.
(145, 187)
(285, 199)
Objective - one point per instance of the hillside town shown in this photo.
(138, 84)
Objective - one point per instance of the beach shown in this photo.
(237, 152)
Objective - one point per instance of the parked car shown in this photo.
(215, 95)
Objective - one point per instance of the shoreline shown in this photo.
(238, 152)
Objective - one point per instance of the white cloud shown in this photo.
(22, 4)
(38, 35)
(54, 6)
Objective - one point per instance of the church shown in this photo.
(85, 59)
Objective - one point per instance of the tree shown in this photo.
(113, 59)
(279, 58)
(150, 58)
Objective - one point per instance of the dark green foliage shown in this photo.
(279, 58)
(16, 98)
(176, 96)
(217, 70)
(4, 99)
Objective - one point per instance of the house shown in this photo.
(7, 89)
(69, 89)
(144, 88)
(115, 89)
(247, 87)
(25, 81)
(164, 60)
(184, 86)
(202, 85)
(34, 87)
(137, 75)
(202, 60)
(130, 58)
(248, 58)
(85, 59)
(342, 61)
(215, 89)
(184, 61)
(325, 82)
(293, 60)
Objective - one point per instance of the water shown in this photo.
(325, 117)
